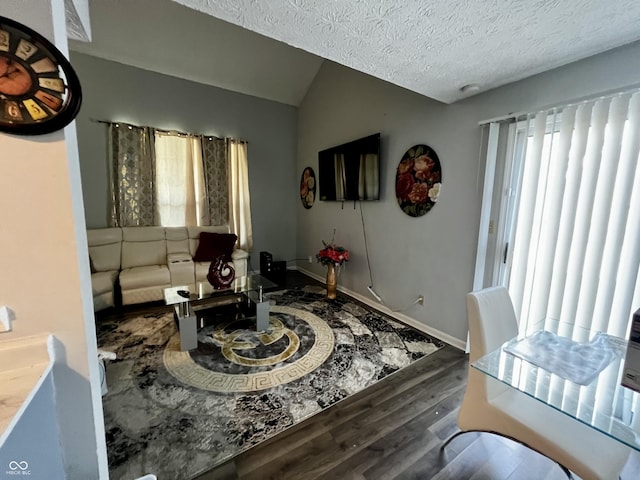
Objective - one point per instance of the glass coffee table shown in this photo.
(187, 303)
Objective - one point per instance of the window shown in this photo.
(176, 179)
(565, 214)
(179, 178)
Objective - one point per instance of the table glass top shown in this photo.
(586, 384)
(243, 284)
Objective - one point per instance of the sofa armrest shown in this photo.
(105, 248)
(239, 258)
(239, 254)
(181, 269)
(178, 257)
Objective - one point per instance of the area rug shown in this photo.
(178, 414)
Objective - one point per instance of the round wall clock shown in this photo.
(418, 180)
(39, 91)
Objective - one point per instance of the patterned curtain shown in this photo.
(240, 217)
(132, 176)
(214, 156)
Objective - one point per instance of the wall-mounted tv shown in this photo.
(350, 171)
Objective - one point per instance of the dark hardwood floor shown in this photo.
(395, 430)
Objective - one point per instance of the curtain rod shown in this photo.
(577, 101)
(161, 130)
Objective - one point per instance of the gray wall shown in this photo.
(433, 255)
(117, 92)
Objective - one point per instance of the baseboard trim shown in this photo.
(412, 322)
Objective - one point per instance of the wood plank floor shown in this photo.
(395, 430)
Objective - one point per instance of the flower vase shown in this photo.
(332, 281)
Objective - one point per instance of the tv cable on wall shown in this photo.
(418, 301)
(366, 250)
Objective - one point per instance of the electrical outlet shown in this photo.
(420, 299)
(310, 259)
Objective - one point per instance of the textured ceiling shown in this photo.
(432, 47)
(165, 37)
(435, 47)
(76, 23)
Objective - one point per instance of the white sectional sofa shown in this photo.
(138, 263)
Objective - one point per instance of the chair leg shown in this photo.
(566, 471)
(457, 434)
(448, 441)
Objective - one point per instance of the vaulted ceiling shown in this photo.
(273, 49)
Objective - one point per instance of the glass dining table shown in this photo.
(574, 370)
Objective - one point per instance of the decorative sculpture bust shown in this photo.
(221, 273)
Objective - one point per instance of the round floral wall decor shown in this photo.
(307, 187)
(418, 180)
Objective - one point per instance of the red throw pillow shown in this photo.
(212, 245)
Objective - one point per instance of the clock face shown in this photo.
(39, 91)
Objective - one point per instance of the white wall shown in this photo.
(116, 92)
(42, 451)
(433, 255)
(44, 265)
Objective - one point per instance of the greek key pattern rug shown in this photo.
(178, 414)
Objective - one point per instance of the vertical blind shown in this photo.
(574, 251)
(569, 209)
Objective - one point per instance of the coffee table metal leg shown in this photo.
(262, 316)
(262, 309)
(187, 326)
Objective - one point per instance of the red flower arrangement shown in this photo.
(332, 254)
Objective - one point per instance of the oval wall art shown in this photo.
(418, 180)
(308, 187)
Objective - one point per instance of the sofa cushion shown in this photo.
(201, 271)
(177, 240)
(104, 236)
(194, 234)
(178, 258)
(147, 276)
(142, 246)
(212, 245)
(142, 234)
(102, 282)
(105, 246)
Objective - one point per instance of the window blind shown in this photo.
(574, 205)
(571, 222)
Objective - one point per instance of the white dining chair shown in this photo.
(494, 407)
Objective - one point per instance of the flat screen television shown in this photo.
(350, 171)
